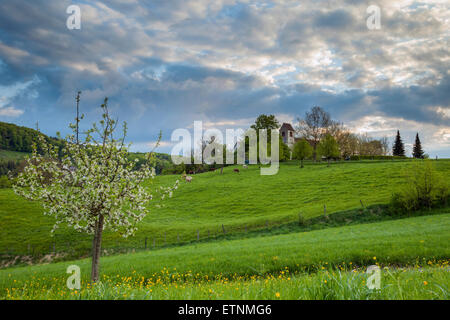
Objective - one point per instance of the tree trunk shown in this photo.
(301, 163)
(328, 162)
(96, 249)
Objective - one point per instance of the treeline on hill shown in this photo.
(20, 139)
(317, 124)
(162, 161)
(323, 133)
(15, 138)
(262, 122)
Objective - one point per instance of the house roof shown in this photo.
(286, 126)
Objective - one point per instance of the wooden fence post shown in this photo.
(325, 210)
(223, 228)
(154, 243)
(145, 247)
(198, 235)
(178, 237)
(362, 205)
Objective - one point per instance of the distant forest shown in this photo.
(20, 139)
(15, 138)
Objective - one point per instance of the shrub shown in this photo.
(301, 220)
(376, 157)
(424, 188)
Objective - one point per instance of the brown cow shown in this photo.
(236, 170)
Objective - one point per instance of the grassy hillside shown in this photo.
(197, 268)
(12, 155)
(238, 201)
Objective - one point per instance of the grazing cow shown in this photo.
(236, 170)
(188, 179)
(245, 166)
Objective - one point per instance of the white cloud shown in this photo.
(10, 112)
(9, 93)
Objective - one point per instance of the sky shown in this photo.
(164, 64)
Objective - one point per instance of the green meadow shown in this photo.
(236, 202)
(266, 251)
(321, 264)
(12, 155)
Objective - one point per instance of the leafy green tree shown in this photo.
(266, 122)
(328, 148)
(93, 186)
(285, 152)
(417, 149)
(398, 148)
(302, 150)
(269, 122)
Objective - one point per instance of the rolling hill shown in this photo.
(212, 203)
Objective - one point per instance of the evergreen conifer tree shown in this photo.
(399, 148)
(417, 149)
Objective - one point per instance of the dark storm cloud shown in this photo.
(415, 102)
(165, 64)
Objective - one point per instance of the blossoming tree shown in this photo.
(92, 187)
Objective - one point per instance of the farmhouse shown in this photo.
(287, 133)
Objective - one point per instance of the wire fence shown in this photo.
(150, 241)
(153, 241)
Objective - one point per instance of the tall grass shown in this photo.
(413, 283)
(412, 241)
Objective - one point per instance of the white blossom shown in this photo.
(94, 178)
